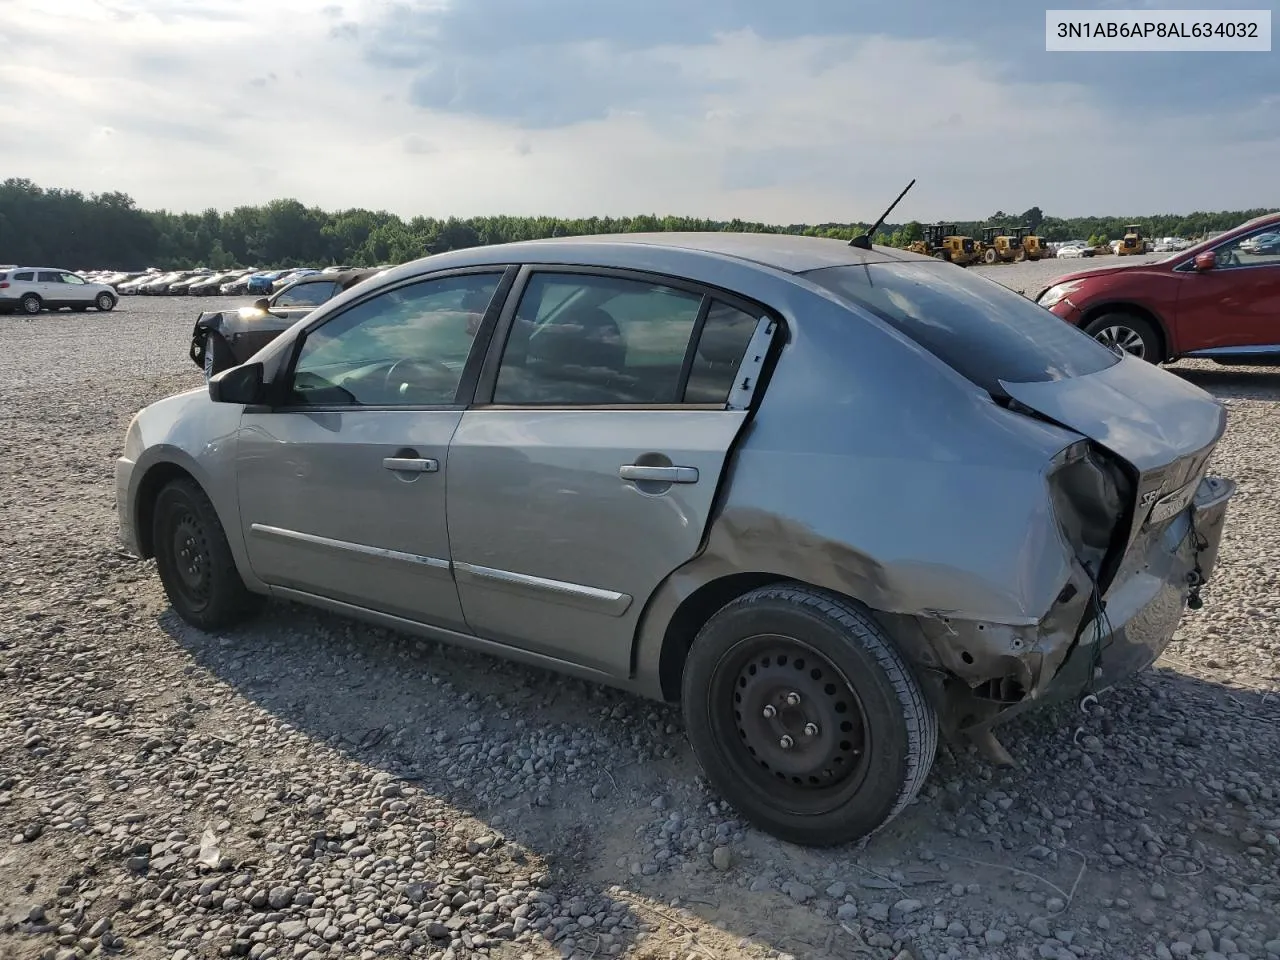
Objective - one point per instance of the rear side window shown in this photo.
(4, 276)
(26, 275)
(982, 330)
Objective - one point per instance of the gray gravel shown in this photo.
(309, 787)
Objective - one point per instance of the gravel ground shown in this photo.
(308, 787)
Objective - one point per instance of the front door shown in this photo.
(342, 490)
(75, 292)
(592, 474)
(1234, 308)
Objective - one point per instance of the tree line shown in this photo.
(68, 228)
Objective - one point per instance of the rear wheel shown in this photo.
(194, 560)
(1127, 332)
(32, 304)
(805, 717)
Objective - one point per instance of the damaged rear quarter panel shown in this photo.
(873, 470)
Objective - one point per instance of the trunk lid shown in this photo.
(1163, 427)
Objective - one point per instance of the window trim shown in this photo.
(488, 378)
(506, 274)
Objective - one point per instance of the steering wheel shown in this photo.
(422, 364)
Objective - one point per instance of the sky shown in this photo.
(786, 112)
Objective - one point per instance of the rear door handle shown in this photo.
(411, 464)
(637, 471)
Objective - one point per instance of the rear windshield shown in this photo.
(982, 330)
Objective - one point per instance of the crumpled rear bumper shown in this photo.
(1143, 609)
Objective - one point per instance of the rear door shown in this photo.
(49, 286)
(587, 470)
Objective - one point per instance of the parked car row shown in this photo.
(203, 281)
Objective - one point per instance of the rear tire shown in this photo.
(32, 304)
(195, 562)
(1128, 332)
(805, 717)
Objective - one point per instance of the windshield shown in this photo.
(982, 330)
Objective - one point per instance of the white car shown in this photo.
(32, 289)
(1071, 250)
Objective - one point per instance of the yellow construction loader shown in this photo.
(1132, 242)
(1029, 245)
(998, 246)
(943, 242)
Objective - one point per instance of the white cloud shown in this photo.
(224, 102)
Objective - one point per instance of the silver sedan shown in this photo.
(835, 501)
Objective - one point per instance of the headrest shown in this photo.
(583, 337)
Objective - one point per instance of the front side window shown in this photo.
(306, 294)
(405, 347)
(1261, 248)
(578, 339)
(981, 329)
(72, 278)
(48, 276)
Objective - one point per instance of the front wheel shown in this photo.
(105, 302)
(804, 716)
(1124, 332)
(194, 559)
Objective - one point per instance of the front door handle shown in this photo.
(640, 471)
(411, 464)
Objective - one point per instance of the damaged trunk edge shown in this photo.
(1144, 532)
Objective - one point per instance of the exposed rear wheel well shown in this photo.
(144, 509)
(692, 614)
(1156, 323)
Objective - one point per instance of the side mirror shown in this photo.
(1206, 261)
(263, 304)
(242, 384)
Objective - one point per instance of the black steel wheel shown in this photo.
(805, 717)
(194, 559)
(799, 722)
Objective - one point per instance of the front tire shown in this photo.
(195, 562)
(1127, 332)
(32, 304)
(105, 302)
(804, 716)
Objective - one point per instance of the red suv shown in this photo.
(1219, 300)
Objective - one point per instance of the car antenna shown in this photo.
(864, 242)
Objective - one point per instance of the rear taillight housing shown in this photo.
(1092, 497)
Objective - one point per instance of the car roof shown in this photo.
(790, 253)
